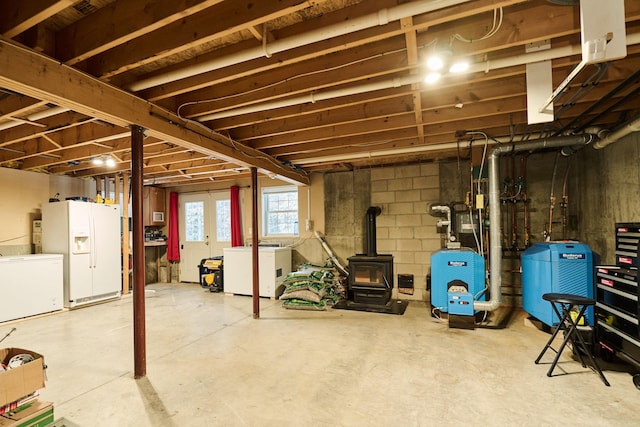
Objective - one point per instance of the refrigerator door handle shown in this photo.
(94, 255)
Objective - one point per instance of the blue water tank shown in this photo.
(451, 265)
(564, 267)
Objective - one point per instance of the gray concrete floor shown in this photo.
(210, 363)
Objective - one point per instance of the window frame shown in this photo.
(266, 192)
(226, 229)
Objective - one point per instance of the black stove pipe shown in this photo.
(372, 213)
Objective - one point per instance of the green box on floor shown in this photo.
(36, 414)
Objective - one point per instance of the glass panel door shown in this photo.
(205, 230)
(194, 235)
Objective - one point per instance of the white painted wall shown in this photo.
(22, 195)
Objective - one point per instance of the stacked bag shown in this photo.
(311, 287)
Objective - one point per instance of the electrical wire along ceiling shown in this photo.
(294, 87)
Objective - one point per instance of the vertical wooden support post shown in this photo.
(116, 189)
(139, 332)
(125, 233)
(107, 181)
(98, 187)
(254, 242)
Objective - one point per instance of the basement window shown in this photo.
(280, 211)
(223, 220)
(194, 221)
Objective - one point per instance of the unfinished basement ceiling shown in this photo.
(289, 86)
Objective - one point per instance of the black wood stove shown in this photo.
(370, 274)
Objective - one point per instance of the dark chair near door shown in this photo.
(563, 305)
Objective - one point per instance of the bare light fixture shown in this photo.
(435, 62)
(439, 60)
(103, 161)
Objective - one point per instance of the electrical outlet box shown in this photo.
(308, 225)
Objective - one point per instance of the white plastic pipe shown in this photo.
(527, 58)
(382, 17)
(34, 117)
(313, 97)
(621, 132)
(389, 83)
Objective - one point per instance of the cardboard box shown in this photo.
(36, 414)
(13, 406)
(19, 382)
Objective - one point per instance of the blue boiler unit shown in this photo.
(563, 267)
(458, 273)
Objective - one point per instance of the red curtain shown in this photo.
(173, 249)
(236, 226)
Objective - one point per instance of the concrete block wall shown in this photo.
(602, 187)
(347, 198)
(404, 228)
(607, 185)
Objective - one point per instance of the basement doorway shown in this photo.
(205, 230)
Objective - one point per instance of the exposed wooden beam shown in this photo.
(386, 107)
(412, 59)
(53, 124)
(70, 136)
(304, 53)
(19, 16)
(118, 23)
(342, 68)
(18, 105)
(298, 112)
(38, 76)
(212, 24)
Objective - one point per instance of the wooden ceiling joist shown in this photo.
(77, 91)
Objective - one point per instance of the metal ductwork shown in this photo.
(495, 246)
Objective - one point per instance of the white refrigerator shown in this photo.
(88, 235)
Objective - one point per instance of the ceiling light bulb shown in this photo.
(435, 63)
(431, 78)
(97, 161)
(110, 162)
(459, 67)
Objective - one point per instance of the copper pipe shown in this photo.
(254, 242)
(139, 337)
